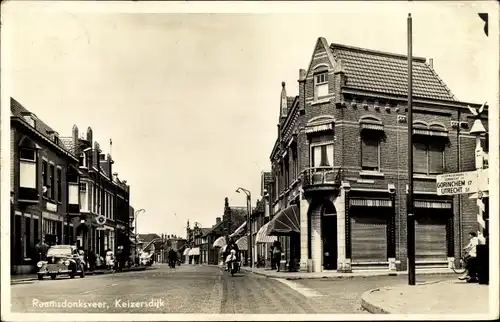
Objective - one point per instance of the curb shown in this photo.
(18, 281)
(346, 276)
(372, 308)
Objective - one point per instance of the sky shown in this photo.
(191, 100)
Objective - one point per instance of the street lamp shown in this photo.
(136, 214)
(249, 223)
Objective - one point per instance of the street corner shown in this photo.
(371, 301)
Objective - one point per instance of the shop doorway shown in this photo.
(329, 234)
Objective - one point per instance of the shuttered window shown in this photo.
(428, 157)
(436, 159)
(370, 153)
(419, 158)
(369, 237)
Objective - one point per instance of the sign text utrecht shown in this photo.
(456, 183)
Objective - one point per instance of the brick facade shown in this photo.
(335, 118)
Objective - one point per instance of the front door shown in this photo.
(329, 233)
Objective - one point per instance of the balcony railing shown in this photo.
(321, 176)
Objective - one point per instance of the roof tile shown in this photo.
(388, 73)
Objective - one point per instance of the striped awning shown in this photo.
(262, 237)
(239, 230)
(186, 252)
(242, 243)
(285, 222)
(370, 202)
(194, 251)
(319, 128)
(371, 126)
(425, 132)
(432, 204)
(220, 242)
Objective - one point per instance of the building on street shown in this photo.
(44, 188)
(338, 199)
(103, 219)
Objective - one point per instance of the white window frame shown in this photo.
(363, 136)
(318, 82)
(84, 163)
(311, 149)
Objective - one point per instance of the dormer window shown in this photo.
(29, 118)
(320, 84)
(82, 160)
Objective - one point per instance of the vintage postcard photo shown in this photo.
(249, 160)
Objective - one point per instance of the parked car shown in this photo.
(61, 260)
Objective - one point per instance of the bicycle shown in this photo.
(461, 267)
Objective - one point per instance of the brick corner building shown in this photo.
(340, 163)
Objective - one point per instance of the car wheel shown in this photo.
(53, 276)
(40, 277)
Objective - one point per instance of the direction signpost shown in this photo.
(457, 183)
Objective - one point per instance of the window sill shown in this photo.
(425, 176)
(320, 101)
(366, 173)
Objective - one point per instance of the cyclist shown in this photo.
(471, 262)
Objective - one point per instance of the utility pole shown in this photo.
(410, 218)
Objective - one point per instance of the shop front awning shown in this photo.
(262, 237)
(239, 230)
(194, 251)
(285, 222)
(186, 252)
(242, 243)
(220, 242)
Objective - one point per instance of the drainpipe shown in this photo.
(460, 196)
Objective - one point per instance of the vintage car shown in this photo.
(61, 260)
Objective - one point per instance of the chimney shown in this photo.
(284, 103)
(115, 176)
(95, 155)
(431, 62)
(302, 88)
(218, 220)
(89, 135)
(110, 164)
(75, 135)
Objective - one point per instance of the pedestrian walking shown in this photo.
(277, 255)
(92, 259)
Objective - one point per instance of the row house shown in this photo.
(339, 163)
(44, 182)
(103, 219)
(204, 244)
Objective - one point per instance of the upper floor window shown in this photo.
(370, 153)
(45, 179)
(322, 155)
(59, 185)
(320, 84)
(82, 160)
(428, 157)
(52, 189)
(27, 168)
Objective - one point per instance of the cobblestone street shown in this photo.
(198, 289)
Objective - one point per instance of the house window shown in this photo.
(428, 158)
(320, 85)
(370, 153)
(52, 189)
(295, 163)
(322, 155)
(82, 162)
(59, 185)
(45, 181)
(83, 196)
(27, 168)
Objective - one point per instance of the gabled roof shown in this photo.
(206, 231)
(146, 238)
(384, 72)
(69, 144)
(17, 110)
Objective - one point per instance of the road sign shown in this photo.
(457, 183)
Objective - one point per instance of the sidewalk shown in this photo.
(444, 297)
(336, 275)
(32, 277)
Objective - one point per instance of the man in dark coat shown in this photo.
(92, 259)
